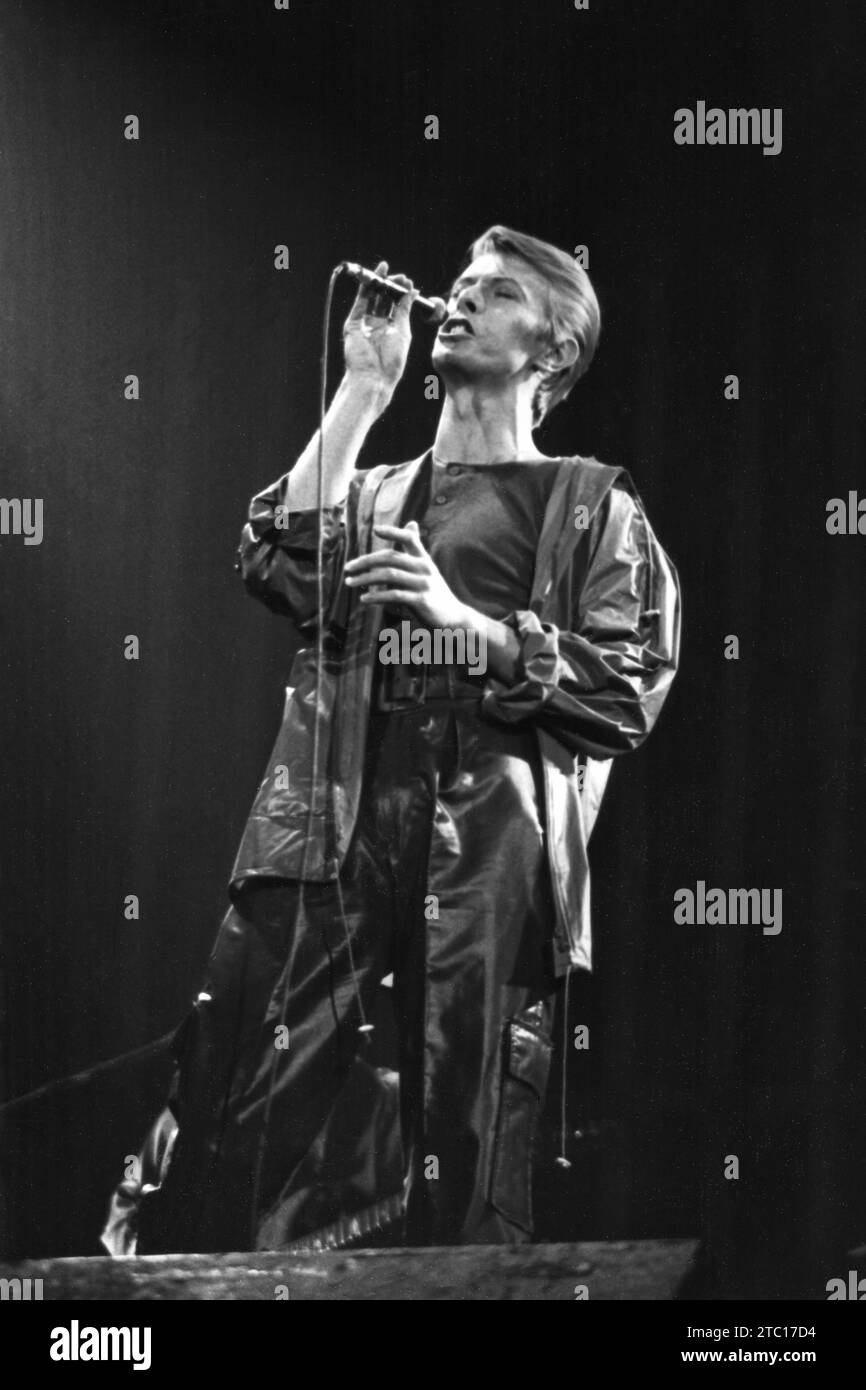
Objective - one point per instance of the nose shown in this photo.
(466, 300)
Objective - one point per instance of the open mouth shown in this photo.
(454, 327)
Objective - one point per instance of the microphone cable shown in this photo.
(364, 1028)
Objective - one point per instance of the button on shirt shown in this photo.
(482, 526)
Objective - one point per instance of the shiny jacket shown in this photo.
(599, 645)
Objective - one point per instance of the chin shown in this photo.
(447, 352)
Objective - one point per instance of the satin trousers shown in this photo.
(446, 886)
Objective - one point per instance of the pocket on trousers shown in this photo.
(524, 1082)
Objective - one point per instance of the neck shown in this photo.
(480, 428)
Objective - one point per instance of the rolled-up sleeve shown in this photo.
(277, 555)
(599, 683)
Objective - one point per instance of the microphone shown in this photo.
(387, 292)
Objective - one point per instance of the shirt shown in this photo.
(481, 525)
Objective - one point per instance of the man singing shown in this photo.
(426, 821)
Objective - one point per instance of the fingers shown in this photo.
(369, 304)
(408, 535)
(390, 596)
(387, 574)
(361, 307)
(415, 560)
(404, 305)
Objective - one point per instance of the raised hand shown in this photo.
(376, 346)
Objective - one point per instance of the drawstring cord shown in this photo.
(562, 1161)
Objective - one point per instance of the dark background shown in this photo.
(156, 257)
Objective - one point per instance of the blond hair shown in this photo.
(573, 307)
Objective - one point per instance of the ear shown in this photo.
(562, 354)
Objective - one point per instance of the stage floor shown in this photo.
(613, 1270)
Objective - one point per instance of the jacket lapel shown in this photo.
(383, 496)
(579, 481)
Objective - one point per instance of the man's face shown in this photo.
(497, 321)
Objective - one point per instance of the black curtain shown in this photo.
(154, 257)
